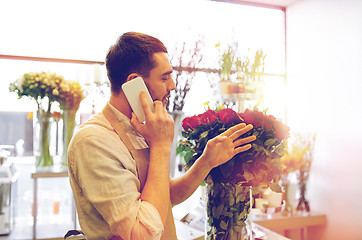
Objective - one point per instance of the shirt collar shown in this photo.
(128, 128)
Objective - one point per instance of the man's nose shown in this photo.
(172, 85)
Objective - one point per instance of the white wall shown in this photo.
(324, 65)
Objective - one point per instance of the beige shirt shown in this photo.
(104, 180)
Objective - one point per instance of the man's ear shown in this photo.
(132, 76)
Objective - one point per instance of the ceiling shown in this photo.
(275, 3)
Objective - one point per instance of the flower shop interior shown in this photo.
(296, 60)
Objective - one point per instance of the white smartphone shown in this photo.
(132, 90)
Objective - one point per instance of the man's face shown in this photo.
(160, 82)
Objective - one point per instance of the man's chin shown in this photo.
(165, 101)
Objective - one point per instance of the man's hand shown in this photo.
(217, 151)
(159, 127)
(225, 146)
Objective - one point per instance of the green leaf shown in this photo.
(218, 211)
(204, 134)
(269, 142)
(241, 215)
(275, 187)
(237, 229)
(223, 225)
(231, 200)
(180, 148)
(228, 214)
(227, 168)
(248, 175)
(213, 211)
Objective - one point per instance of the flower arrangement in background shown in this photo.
(185, 59)
(293, 160)
(70, 95)
(231, 62)
(306, 142)
(241, 74)
(44, 89)
(298, 160)
(258, 167)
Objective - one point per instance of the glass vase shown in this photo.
(68, 130)
(303, 204)
(42, 131)
(228, 207)
(288, 208)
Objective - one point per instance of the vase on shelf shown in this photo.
(42, 136)
(68, 131)
(288, 207)
(303, 204)
(228, 207)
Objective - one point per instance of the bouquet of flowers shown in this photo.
(44, 89)
(70, 95)
(69, 98)
(298, 160)
(257, 167)
(293, 160)
(39, 87)
(260, 166)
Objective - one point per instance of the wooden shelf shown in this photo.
(297, 226)
(278, 221)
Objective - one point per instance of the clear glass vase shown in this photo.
(42, 137)
(228, 207)
(68, 131)
(288, 208)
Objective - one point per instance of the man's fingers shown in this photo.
(145, 105)
(158, 105)
(242, 149)
(135, 122)
(244, 140)
(240, 131)
(233, 129)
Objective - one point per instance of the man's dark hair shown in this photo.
(132, 53)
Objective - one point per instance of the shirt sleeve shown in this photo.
(107, 174)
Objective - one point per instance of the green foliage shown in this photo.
(228, 208)
(251, 66)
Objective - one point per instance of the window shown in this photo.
(85, 30)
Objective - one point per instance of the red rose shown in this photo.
(255, 118)
(228, 116)
(268, 122)
(190, 122)
(281, 131)
(207, 117)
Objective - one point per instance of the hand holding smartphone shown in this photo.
(132, 90)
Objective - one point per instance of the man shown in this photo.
(119, 167)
